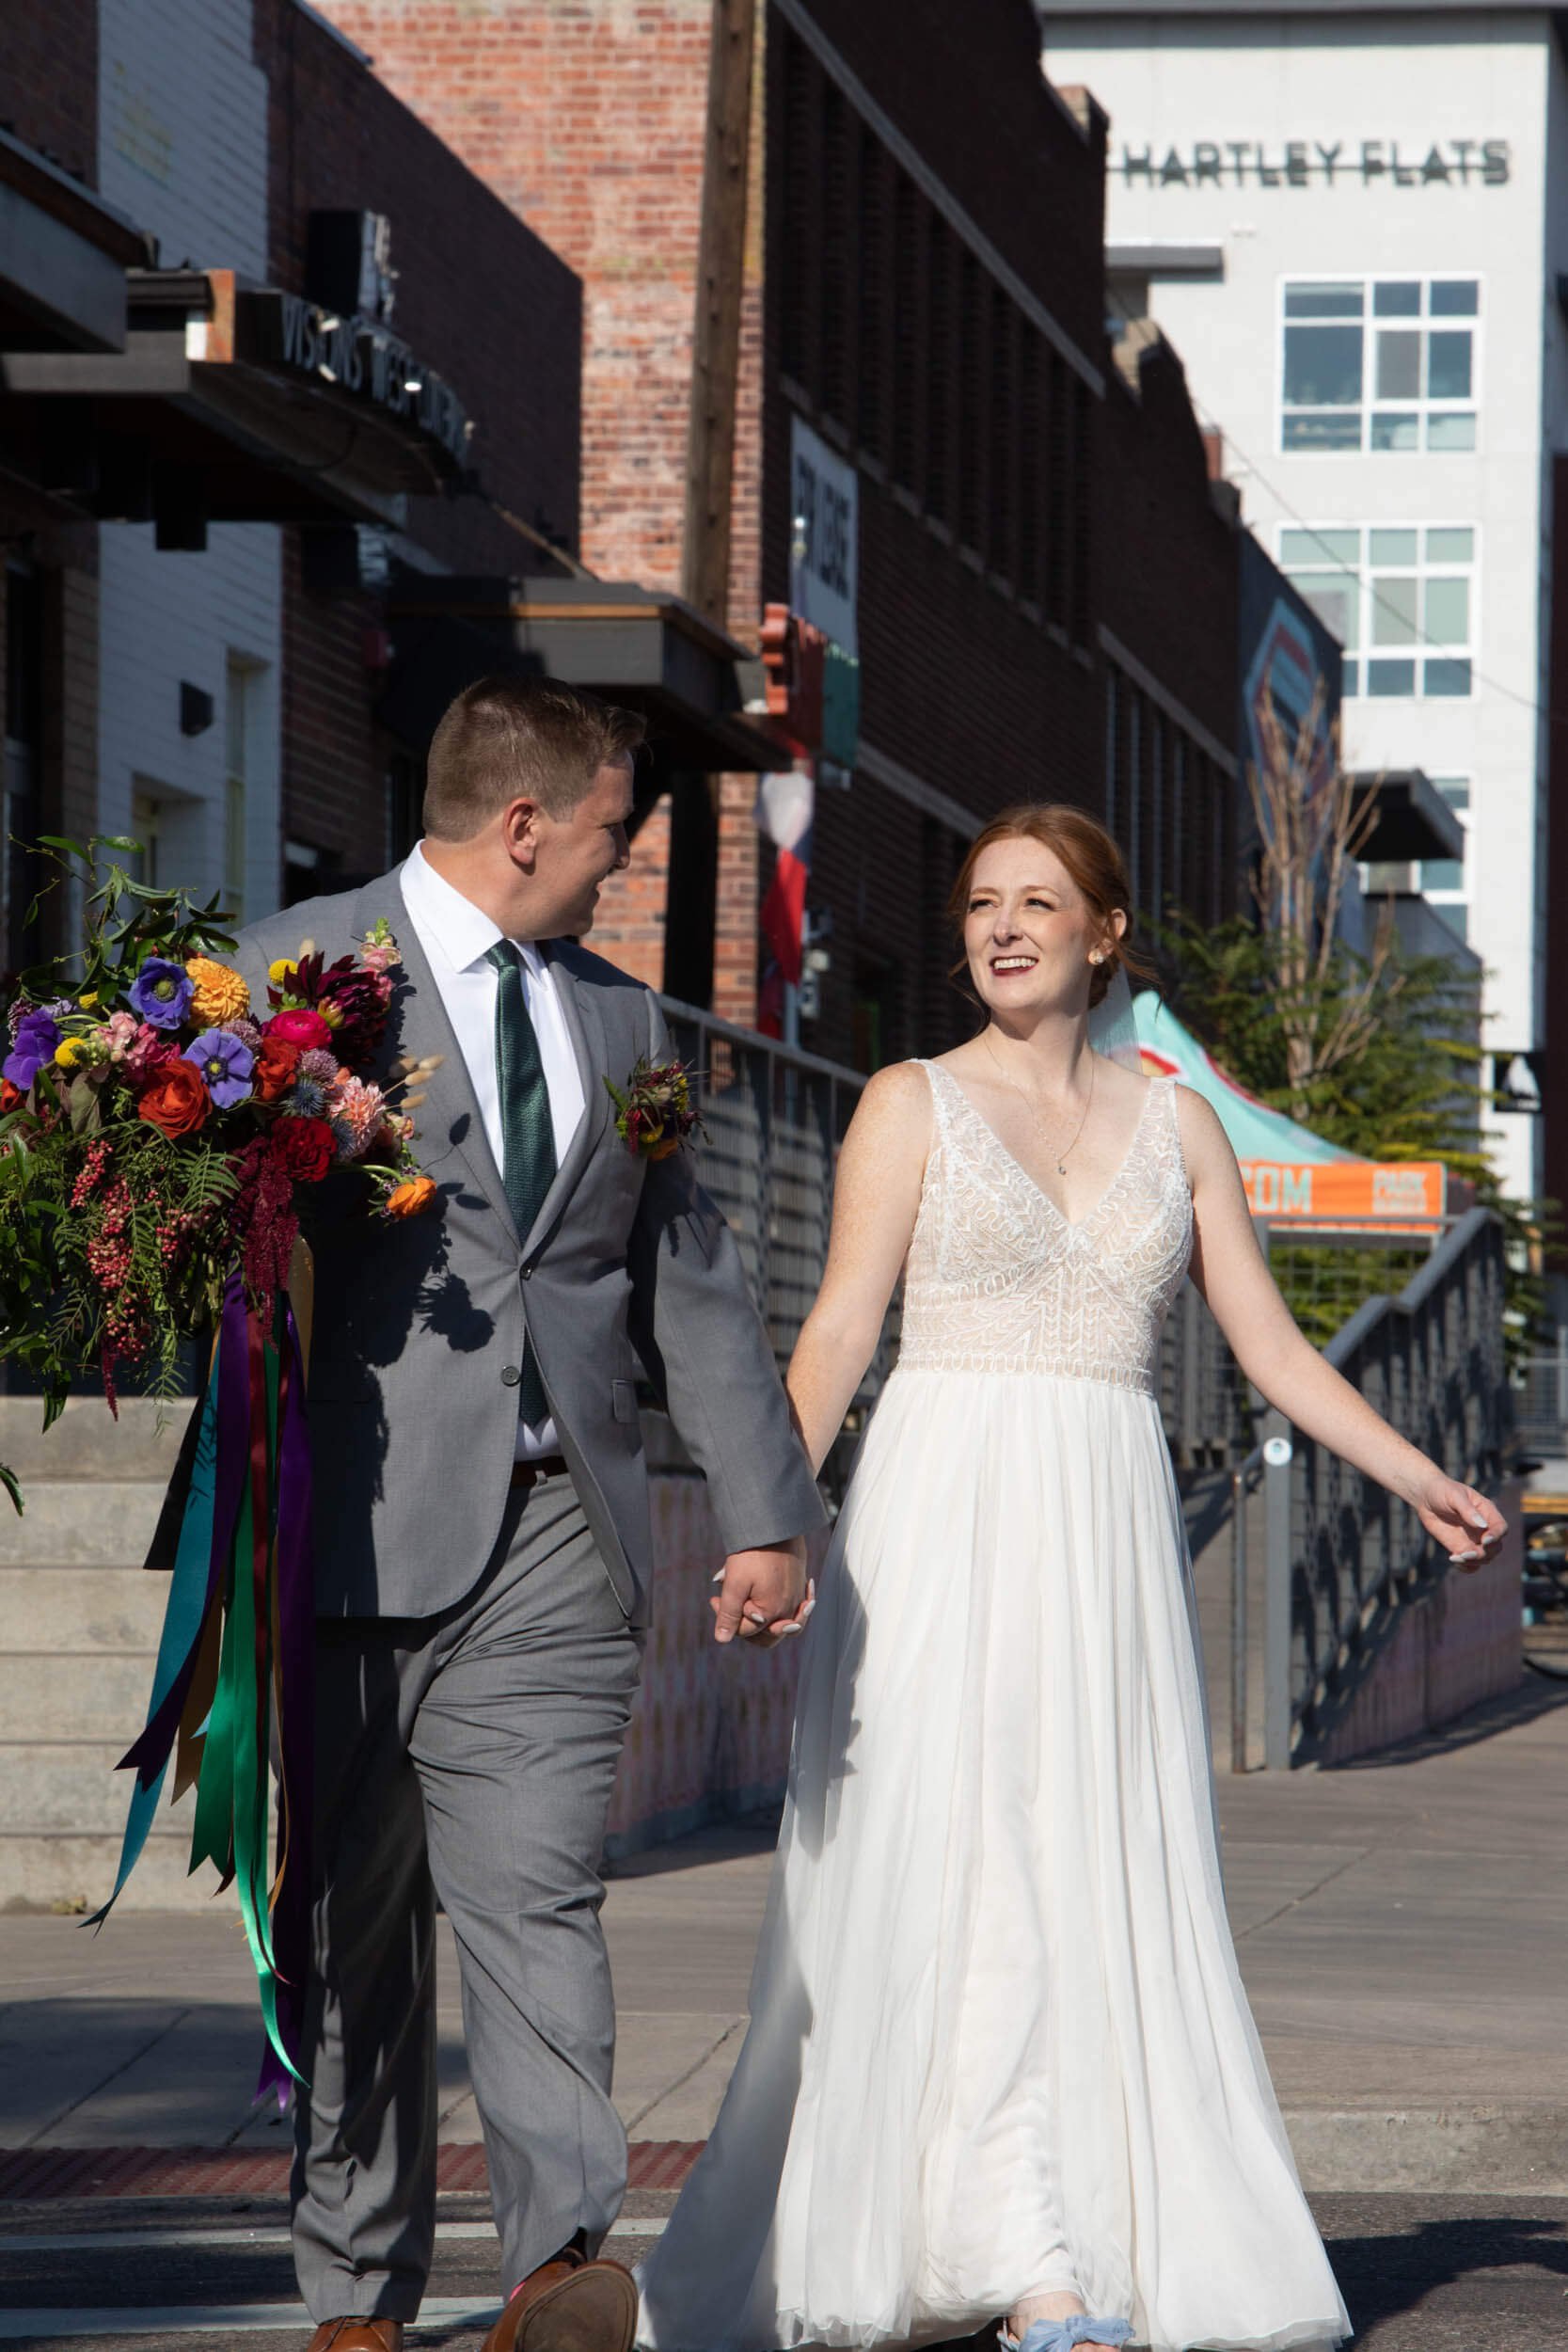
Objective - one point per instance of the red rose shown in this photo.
(298, 1025)
(176, 1101)
(305, 1148)
(276, 1060)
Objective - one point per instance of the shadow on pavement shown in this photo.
(1382, 2273)
(1533, 1699)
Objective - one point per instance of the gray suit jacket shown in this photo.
(419, 1323)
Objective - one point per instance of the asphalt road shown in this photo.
(1420, 2274)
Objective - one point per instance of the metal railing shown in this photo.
(1341, 1556)
(1345, 1556)
(774, 1119)
(1540, 1403)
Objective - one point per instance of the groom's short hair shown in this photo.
(508, 737)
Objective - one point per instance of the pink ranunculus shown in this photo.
(149, 1050)
(119, 1034)
(300, 1027)
(379, 957)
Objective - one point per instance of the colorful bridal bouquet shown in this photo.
(654, 1111)
(160, 1132)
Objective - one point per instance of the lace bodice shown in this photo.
(999, 1281)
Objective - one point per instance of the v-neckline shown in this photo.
(1068, 1224)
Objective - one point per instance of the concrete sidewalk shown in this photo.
(1402, 1927)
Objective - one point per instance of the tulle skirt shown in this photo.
(999, 2040)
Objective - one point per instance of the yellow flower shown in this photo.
(283, 972)
(89, 1001)
(69, 1053)
(220, 992)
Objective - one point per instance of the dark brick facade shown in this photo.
(495, 312)
(1047, 603)
(924, 285)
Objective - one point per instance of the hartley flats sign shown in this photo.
(1301, 163)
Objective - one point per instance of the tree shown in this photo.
(1376, 1051)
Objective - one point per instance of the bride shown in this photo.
(999, 2058)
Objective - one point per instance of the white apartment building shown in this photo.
(1351, 223)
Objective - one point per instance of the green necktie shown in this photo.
(528, 1137)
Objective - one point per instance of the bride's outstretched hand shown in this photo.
(1468, 1527)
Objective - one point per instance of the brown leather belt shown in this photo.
(526, 1474)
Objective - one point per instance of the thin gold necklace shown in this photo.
(1033, 1108)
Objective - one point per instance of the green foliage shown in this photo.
(1410, 1088)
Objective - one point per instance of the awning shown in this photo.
(231, 402)
(639, 646)
(1289, 1173)
(63, 258)
(1411, 819)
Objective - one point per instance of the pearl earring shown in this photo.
(1095, 956)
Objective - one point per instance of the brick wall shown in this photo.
(974, 394)
(588, 122)
(49, 81)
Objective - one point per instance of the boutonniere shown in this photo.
(654, 1111)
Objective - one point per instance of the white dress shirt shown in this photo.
(456, 937)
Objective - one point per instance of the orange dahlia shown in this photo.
(220, 992)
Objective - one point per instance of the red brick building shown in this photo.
(1046, 591)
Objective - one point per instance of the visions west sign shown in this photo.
(1300, 163)
(359, 358)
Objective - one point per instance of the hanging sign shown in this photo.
(824, 511)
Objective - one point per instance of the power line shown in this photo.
(1314, 532)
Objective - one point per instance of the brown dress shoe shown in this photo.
(569, 2304)
(357, 2335)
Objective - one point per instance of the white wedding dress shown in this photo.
(998, 2041)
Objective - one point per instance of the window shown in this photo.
(239, 714)
(871, 277)
(1400, 598)
(938, 382)
(1444, 880)
(907, 331)
(833, 299)
(1381, 363)
(149, 826)
(22, 776)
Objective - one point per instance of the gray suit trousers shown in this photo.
(469, 1756)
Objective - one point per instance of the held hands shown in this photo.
(763, 1595)
(1468, 1526)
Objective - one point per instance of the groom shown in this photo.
(481, 1529)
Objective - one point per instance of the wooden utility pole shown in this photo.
(716, 335)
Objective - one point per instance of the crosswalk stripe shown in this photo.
(153, 2241)
(191, 2319)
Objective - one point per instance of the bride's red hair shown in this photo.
(1092, 859)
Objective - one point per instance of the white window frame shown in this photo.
(242, 676)
(1423, 409)
(1423, 650)
(1462, 896)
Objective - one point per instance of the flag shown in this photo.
(783, 813)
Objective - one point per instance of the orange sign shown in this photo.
(1407, 1192)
